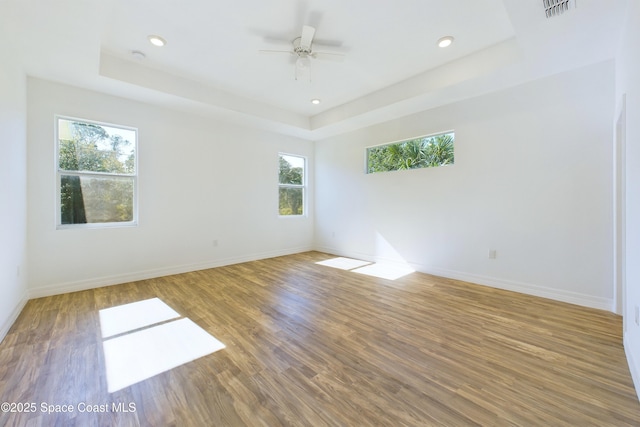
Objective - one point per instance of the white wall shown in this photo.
(532, 179)
(13, 183)
(628, 83)
(199, 181)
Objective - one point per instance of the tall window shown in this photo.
(291, 185)
(421, 152)
(97, 174)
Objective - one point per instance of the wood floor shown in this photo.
(309, 345)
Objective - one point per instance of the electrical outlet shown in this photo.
(492, 254)
(215, 243)
(637, 315)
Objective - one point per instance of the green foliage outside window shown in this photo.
(428, 151)
(96, 168)
(291, 185)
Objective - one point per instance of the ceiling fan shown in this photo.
(302, 51)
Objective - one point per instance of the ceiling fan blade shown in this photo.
(328, 56)
(277, 43)
(275, 51)
(307, 36)
(327, 43)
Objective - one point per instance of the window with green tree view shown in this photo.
(96, 173)
(422, 152)
(291, 185)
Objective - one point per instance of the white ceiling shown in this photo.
(392, 66)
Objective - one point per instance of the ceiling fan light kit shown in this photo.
(557, 7)
(302, 47)
(303, 67)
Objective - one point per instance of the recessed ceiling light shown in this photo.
(157, 40)
(138, 55)
(445, 41)
(315, 101)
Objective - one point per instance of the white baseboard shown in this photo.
(633, 367)
(526, 288)
(529, 289)
(81, 285)
(494, 282)
(4, 328)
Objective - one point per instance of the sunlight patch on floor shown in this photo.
(127, 317)
(385, 271)
(343, 263)
(138, 345)
(389, 271)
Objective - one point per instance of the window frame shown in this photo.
(401, 141)
(303, 186)
(59, 172)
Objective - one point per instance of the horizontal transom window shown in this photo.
(421, 152)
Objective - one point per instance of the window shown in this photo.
(291, 185)
(96, 174)
(421, 152)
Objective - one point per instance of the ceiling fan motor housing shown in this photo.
(301, 50)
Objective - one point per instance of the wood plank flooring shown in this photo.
(309, 345)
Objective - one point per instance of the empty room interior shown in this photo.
(304, 212)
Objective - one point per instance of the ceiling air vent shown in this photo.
(557, 7)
